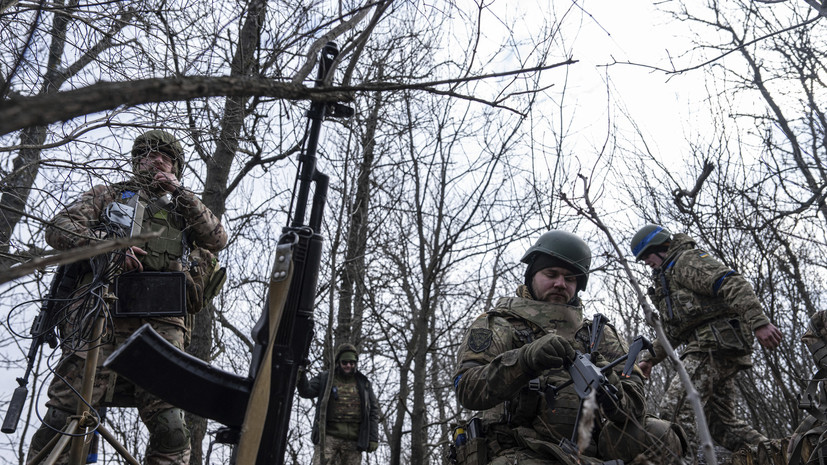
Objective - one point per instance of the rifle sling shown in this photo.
(255, 417)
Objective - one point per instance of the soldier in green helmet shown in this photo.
(530, 340)
(352, 410)
(712, 311)
(189, 235)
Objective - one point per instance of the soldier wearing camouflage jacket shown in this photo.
(713, 312)
(534, 336)
(188, 230)
(808, 444)
(352, 415)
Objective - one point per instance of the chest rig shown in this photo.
(531, 320)
(170, 249)
(704, 321)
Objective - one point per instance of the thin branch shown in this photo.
(652, 319)
(70, 256)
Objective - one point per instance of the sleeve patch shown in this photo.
(480, 339)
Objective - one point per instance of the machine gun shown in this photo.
(256, 408)
(43, 331)
(588, 377)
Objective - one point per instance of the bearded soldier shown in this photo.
(529, 341)
(712, 311)
(352, 424)
(185, 225)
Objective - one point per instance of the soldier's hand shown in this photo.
(550, 351)
(373, 446)
(646, 367)
(167, 181)
(769, 336)
(131, 261)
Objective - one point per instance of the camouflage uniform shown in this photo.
(712, 311)
(352, 414)
(519, 426)
(810, 433)
(76, 226)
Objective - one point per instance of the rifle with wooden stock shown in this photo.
(255, 408)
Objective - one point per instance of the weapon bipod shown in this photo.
(77, 425)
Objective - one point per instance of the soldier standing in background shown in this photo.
(187, 226)
(713, 311)
(352, 410)
(535, 335)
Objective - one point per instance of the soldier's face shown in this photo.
(554, 285)
(654, 260)
(347, 366)
(156, 162)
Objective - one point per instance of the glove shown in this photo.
(373, 446)
(550, 351)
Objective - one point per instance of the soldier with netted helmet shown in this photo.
(188, 234)
(529, 341)
(352, 415)
(713, 312)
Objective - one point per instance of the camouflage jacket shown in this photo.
(816, 339)
(74, 225)
(77, 224)
(703, 304)
(488, 377)
(369, 407)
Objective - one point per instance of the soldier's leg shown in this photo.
(343, 452)
(64, 392)
(730, 431)
(675, 407)
(169, 437)
(336, 452)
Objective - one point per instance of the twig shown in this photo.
(653, 320)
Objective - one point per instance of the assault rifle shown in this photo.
(255, 408)
(588, 377)
(43, 331)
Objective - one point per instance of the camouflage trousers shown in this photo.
(338, 452)
(714, 379)
(168, 435)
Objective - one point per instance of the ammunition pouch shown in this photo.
(729, 335)
(473, 452)
(524, 407)
(469, 444)
(206, 278)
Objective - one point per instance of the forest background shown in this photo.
(479, 125)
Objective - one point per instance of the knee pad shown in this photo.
(168, 431)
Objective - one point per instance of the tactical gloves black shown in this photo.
(550, 351)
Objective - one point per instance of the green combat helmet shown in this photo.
(159, 141)
(564, 246)
(649, 236)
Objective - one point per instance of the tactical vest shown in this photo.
(692, 317)
(531, 320)
(346, 406)
(165, 251)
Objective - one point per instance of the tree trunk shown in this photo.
(215, 190)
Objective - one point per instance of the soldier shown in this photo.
(185, 224)
(533, 337)
(352, 410)
(713, 311)
(807, 444)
